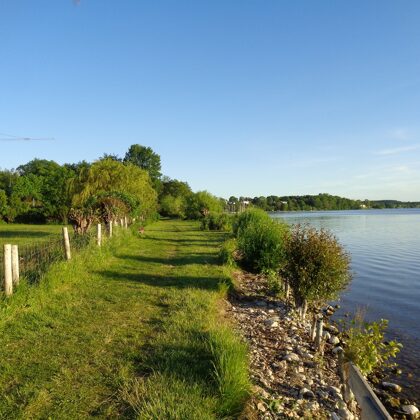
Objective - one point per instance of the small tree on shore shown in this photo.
(316, 267)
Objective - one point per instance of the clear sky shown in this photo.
(239, 97)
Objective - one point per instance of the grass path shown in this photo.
(131, 330)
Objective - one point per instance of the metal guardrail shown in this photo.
(370, 405)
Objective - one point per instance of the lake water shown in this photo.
(385, 249)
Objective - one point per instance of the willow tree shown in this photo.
(109, 185)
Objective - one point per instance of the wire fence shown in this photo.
(35, 259)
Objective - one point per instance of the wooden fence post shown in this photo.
(15, 265)
(66, 241)
(110, 228)
(125, 222)
(318, 336)
(99, 234)
(121, 222)
(7, 264)
(313, 327)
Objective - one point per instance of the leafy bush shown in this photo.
(365, 345)
(317, 267)
(261, 242)
(248, 218)
(226, 253)
(217, 221)
(273, 282)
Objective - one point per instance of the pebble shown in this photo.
(261, 407)
(326, 335)
(337, 350)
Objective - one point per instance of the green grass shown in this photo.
(19, 234)
(133, 330)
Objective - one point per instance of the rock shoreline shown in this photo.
(292, 380)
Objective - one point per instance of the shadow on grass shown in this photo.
(191, 362)
(193, 242)
(196, 258)
(180, 282)
(23, 234)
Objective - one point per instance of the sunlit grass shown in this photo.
(20, 234)
(131, 330)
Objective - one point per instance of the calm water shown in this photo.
(385, 251)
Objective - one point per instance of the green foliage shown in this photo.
(217, 221)
(145, 158)
(273, 282)
(227, 250)
(248, 218)
(201, 203)
(365, 345)
(110, 176)
(3, 203)
(261, 241)
(173, 206)
(317, 267)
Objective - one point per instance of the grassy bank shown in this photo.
(131, 330)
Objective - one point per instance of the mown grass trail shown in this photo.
(131, 330)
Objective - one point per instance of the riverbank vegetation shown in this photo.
(311, 263)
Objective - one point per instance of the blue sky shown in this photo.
(238, 97)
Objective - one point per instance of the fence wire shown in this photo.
(35, 259)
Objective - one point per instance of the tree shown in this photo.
(173, 198)
(202, 203)
(316, 265)
(145, 158)
(107, 182)
(3, 203)
(51, 193)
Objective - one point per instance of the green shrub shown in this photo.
(317, 267)
(248, 218)
(261, 243)
(217, 221)
(226, 253)
(365, 345)
(274, 283)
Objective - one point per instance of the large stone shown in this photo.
(306, 393)
(334, 340)
(291, 357)
(410, 410)
(345, 413)
(334, 391)
(272, 322)
(391, 387)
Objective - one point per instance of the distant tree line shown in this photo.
(43, 191)
(313, 202)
